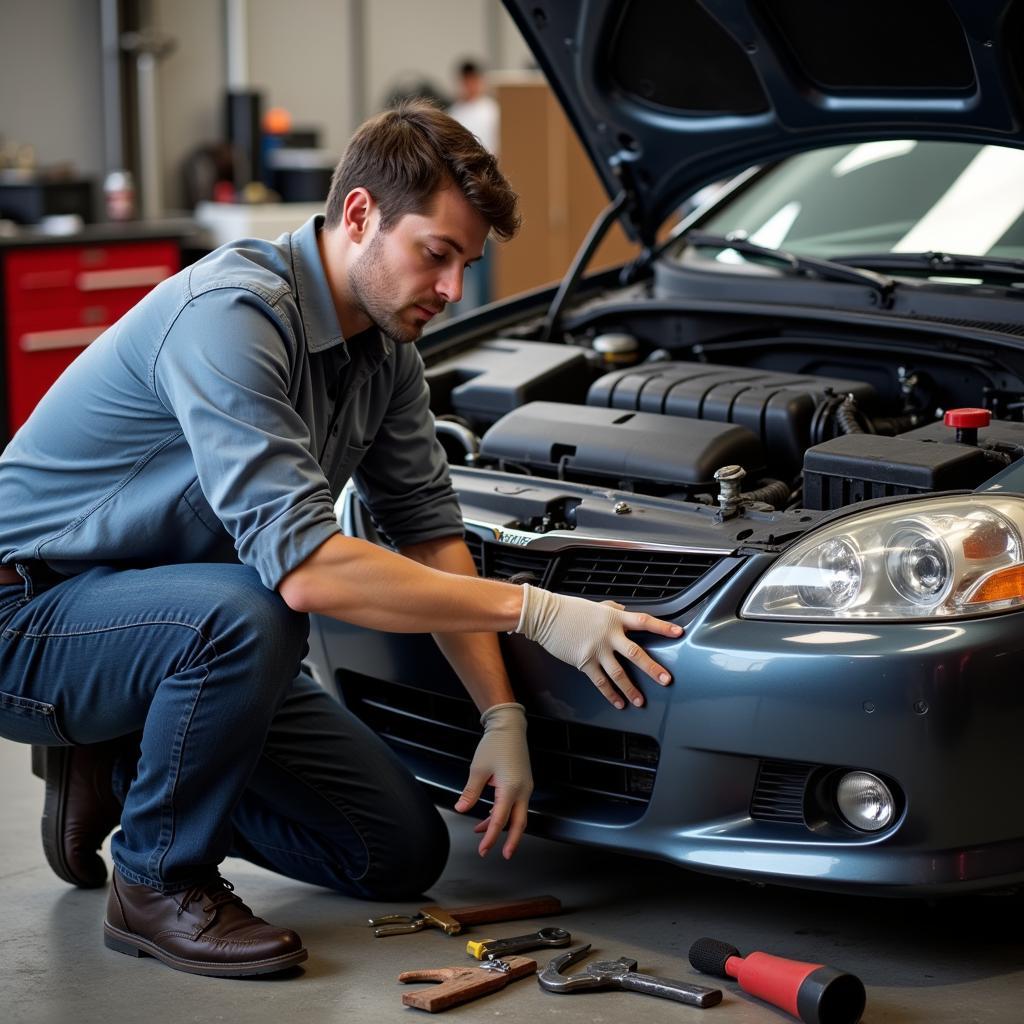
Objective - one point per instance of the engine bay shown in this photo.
(656, 404)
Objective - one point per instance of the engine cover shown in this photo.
(778, 407)
(649, 451)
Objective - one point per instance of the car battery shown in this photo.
(645, 452)
(857, 467)
(778, 407)
(1000, 435)
(490, 379)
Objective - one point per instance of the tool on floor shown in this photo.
(461, 984)
(491, 949)
(814, 993)
(452, 921)
(621, 973)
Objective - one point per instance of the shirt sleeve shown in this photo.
(224, 371)
(404, 478)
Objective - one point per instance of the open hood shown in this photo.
(669, 95)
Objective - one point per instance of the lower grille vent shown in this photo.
(779, 791)
(576, 767)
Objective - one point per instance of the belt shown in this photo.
(39, 572)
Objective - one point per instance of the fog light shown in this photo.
(865, 801)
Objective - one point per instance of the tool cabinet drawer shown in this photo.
(58, 299)
(70, 276)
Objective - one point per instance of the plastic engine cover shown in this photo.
(777, 407)
(487, 381)
(581, 442)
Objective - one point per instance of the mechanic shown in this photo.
(169, 526)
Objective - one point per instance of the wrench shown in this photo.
(491, 949)
(621, 973)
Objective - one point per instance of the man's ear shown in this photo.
(356, 214)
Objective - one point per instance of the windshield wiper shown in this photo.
(828, 270)
(1001, 269)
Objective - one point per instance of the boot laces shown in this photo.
(218, 892)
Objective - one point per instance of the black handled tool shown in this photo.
(492, 949)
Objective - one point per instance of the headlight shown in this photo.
(935, 558)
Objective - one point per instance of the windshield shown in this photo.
(876, 197)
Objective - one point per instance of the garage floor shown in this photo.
(923, 963)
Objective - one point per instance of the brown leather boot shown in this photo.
(205, 930)
(79, 808)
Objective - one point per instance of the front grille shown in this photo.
(779, 791)
(636, 576)
(503, 562)
(476, 549)
(629, 575)
(575, 766)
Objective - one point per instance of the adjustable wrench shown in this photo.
(621, 973)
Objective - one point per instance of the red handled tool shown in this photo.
(814, 993)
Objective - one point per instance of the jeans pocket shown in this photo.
(29, 721)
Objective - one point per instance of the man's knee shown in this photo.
(248, 624)
(239, 600)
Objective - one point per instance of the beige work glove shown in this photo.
(503, 760)
(589, 636)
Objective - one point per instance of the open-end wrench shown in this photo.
(621, 973)
(491, 949)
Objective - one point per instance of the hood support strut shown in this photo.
(586, 251)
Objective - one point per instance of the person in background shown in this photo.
(479, 112)
(474, 108)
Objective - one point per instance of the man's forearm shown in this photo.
(362, 583)
(475, 657)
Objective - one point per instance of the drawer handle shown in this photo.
(41, 279)
(74, 337)
(130, 277)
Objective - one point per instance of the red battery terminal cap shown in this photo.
(967, 418)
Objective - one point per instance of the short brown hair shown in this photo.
(403, 156)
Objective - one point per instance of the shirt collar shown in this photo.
(316, 305)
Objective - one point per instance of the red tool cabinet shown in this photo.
(58, 298)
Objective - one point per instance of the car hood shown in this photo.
(669, 95)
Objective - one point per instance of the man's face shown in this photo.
(406, 276)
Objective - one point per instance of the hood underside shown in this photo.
(669, 95)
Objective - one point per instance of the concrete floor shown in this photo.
(921, 963)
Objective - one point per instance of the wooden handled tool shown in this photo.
(451, 921)
(461, 984)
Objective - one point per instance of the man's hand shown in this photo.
(501, 759)
(590, 635)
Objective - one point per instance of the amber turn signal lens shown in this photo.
(1000, 586)
(986, 540)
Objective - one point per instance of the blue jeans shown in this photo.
(240, 751)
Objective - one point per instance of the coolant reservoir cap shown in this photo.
(967, 418)
(616, 343)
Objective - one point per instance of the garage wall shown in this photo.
(50, 75)
(303, 54)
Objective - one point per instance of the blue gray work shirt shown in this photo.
(218, 420)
